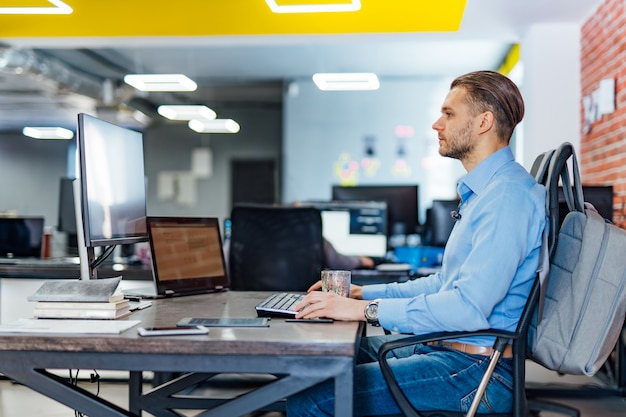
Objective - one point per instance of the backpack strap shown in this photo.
(573, 192)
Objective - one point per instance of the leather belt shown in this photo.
(473, 349)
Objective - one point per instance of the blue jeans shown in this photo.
(432, 377)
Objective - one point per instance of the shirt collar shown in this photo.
(477, 179)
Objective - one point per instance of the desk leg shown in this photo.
(135, 390)
(344, 391)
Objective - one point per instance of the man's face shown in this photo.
(455, 126)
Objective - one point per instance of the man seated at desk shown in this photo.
(488, 270)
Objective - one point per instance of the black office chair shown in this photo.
(522, 407)
(275, 248)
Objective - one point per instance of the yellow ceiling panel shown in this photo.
(143, 18)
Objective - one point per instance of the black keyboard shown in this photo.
(279, 305)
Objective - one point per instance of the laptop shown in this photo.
(187, 257)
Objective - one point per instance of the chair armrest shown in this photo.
(431, 337)
(502, 338)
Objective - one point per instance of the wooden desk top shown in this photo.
(281, 338)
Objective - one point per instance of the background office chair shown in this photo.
(275, 248)
(521, 405)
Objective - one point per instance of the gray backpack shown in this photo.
(583, 302)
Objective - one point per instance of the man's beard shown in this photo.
(459, 145)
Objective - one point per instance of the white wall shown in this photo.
(31, 169)
(551, 88)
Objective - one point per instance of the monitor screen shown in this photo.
(21, 237)
(112, 181)
(402, 203)
(355, 228)
(439, 222)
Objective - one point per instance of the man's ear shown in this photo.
(486, 122)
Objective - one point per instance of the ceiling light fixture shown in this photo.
(160, 82)
(214, 126)
(59, 7)
(307, 7)
(346, 81)
(186, 112)
(47, 132)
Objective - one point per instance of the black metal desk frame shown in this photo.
(28, 368)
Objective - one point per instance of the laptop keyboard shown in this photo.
(279, 305)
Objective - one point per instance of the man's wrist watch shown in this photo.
(371, 313)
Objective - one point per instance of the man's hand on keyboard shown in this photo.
(330, 305)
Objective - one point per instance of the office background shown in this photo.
(313, 135)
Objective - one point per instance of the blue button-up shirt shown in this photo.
(489, 263)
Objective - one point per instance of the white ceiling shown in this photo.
(254, 69)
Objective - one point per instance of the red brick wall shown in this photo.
(603, 147)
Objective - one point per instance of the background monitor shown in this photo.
(21, 237)
(112, 183)
(439, 222)
(67, 213)
(355, 228)
(599, 195)
(66, 222)
(402, 203)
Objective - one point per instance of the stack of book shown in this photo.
(97, 299)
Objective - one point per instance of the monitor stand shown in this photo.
(83, 256)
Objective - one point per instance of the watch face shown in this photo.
(371, 312)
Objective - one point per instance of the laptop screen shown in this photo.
(187, 255)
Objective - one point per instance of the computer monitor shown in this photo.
(21, 237)
(112, 186)
(355, 228)
(600, 196)
(439, 222)
(402, 203)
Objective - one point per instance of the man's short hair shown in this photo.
(492, 91)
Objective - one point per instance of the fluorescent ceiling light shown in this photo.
(346, 81)
(336, 6)
(185, 112)
(58, 8)
(160, 82)
(214, 126)
(47, 132)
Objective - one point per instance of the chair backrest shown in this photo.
(275, 248)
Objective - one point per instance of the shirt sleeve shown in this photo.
(425, 285)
